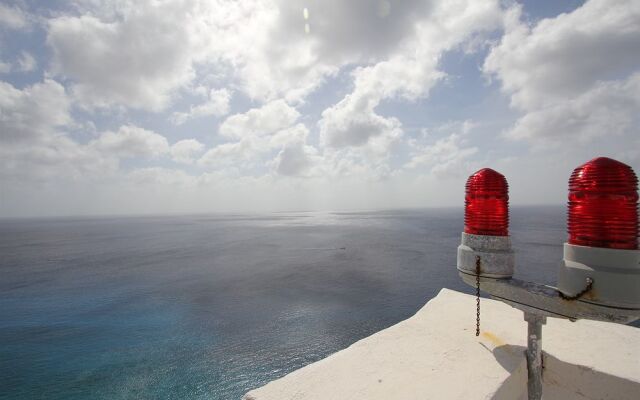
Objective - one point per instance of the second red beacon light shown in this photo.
(603, 205)
(485, 240)
(601, 258)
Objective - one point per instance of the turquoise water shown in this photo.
(208, 307)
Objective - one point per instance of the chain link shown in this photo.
(477, 295)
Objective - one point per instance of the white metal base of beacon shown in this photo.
(615, 274)
(496, 257)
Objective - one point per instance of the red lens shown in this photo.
(487, 204)
(603, 205)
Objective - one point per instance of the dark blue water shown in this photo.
(208, 307)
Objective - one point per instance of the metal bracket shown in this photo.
(546, 300)
(534, 354)
(539, 302)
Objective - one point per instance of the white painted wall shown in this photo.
(436, 355)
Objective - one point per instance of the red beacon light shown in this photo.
(487, 204)
(601, 257)
(603, 205)
(486, 227)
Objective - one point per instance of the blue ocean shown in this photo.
(211, 306)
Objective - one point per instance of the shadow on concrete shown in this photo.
(560, 379)
(512, 358)
(509, 356)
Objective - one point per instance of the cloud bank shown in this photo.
(327, 104)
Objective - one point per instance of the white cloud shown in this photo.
(256, 144)
(185, 151)
(12, 17)
(131, 141)
(265, 120)
(572, 76)
(33, 112)
(273, 55)
(295, 134)
(138, 53)
(359, 141)
(295, 159)
(54, 159)
(135, 58)
(564, 56)
(609, 108)
(448, 156)
(353, 122)
(34, 146)
(160, 177)
(5, 67)
(240, 154)
(278, 57)
(118, 53)
(217, 105)
(409, 71)
(254, 135)
(26, 62)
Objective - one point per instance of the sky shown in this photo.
(116, 107)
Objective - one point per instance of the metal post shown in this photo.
(534, 354)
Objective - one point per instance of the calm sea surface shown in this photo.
(208, 307)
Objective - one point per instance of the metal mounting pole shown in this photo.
(534, 354)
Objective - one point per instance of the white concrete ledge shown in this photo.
(436, 355)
